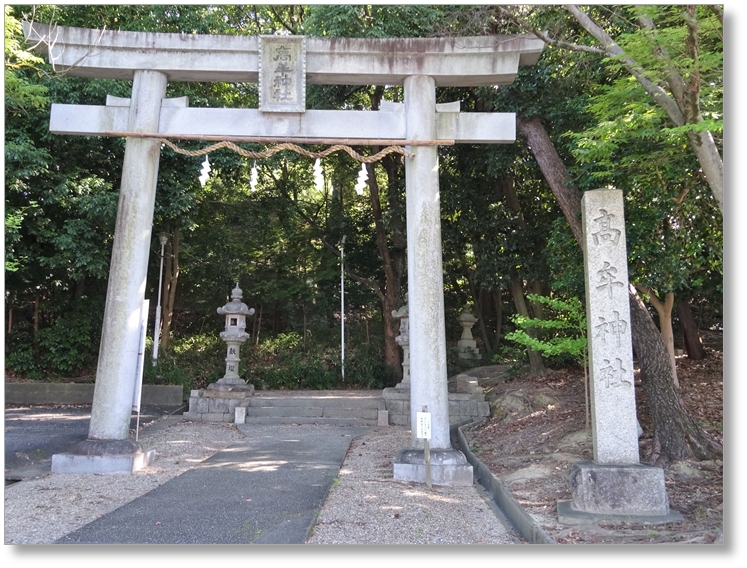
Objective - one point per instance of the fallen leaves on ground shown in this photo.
(532, 446)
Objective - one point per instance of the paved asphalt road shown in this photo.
(264, 489)
(34, 434)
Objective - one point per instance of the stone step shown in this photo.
(262, 401)
(313, 411)
(309, 420)
(315, 407)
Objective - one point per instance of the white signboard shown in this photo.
(424, 425)
(140, 357)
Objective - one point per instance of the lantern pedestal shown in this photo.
(218, 402)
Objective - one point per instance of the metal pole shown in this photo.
(163, 239)
(342, 302)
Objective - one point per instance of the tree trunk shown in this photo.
(664, 309)
(10, 318)
(536, 364)
(690, 335)
(259, 326)
(171, 270)
(485, 313)
(677, 435)
(477, 301)
(508, 188)
(390, 294)
(392, 259)
(674, 426)
(498, 307)
(535, 287)
(304, 324)
(37, 320)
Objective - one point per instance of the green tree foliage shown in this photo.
(280, 238)
(563, 332)
(672, 53)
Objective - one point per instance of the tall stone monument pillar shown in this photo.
(428, 376)
(615, 485)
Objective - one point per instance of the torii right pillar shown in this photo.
(428, 376)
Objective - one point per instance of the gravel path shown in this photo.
(365, 505)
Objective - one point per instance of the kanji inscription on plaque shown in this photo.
(282, 73)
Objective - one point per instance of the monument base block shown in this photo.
(103, 457)
(448, 467)
(631, 493)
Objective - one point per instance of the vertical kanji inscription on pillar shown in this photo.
(614, 423)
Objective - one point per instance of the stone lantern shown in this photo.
(467, 344)
(235, 334)
(403, 340)
(227, 399)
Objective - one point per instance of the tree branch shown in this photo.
(525, 25)
(614, 50)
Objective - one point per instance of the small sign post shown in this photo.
(424, 433)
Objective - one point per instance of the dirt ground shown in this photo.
(538, 430)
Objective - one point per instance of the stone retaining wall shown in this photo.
(75, 393)
(463, 407)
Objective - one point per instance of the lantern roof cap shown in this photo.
(236, 306)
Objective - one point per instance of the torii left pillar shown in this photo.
(109, 447)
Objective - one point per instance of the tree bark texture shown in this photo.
(677, 434)
(37, 325)
(555, 172)
(690, 335)
(498, 307)
(483, 296)
(392, 256)
(391, 289)
(664, 309)
(536, 364)
(10, 321)
(674, 427)
(171, 276)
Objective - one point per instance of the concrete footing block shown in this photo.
(107, 464)
(448, 467)
(616, 492)
(383, 418)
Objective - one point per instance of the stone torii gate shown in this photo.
(282, 65)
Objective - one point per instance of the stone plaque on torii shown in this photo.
(151, 60)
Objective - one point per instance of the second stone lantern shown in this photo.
(227, 399)
(234, 335)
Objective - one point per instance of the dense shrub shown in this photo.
(68, 347)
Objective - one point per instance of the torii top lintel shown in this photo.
(452, 61)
